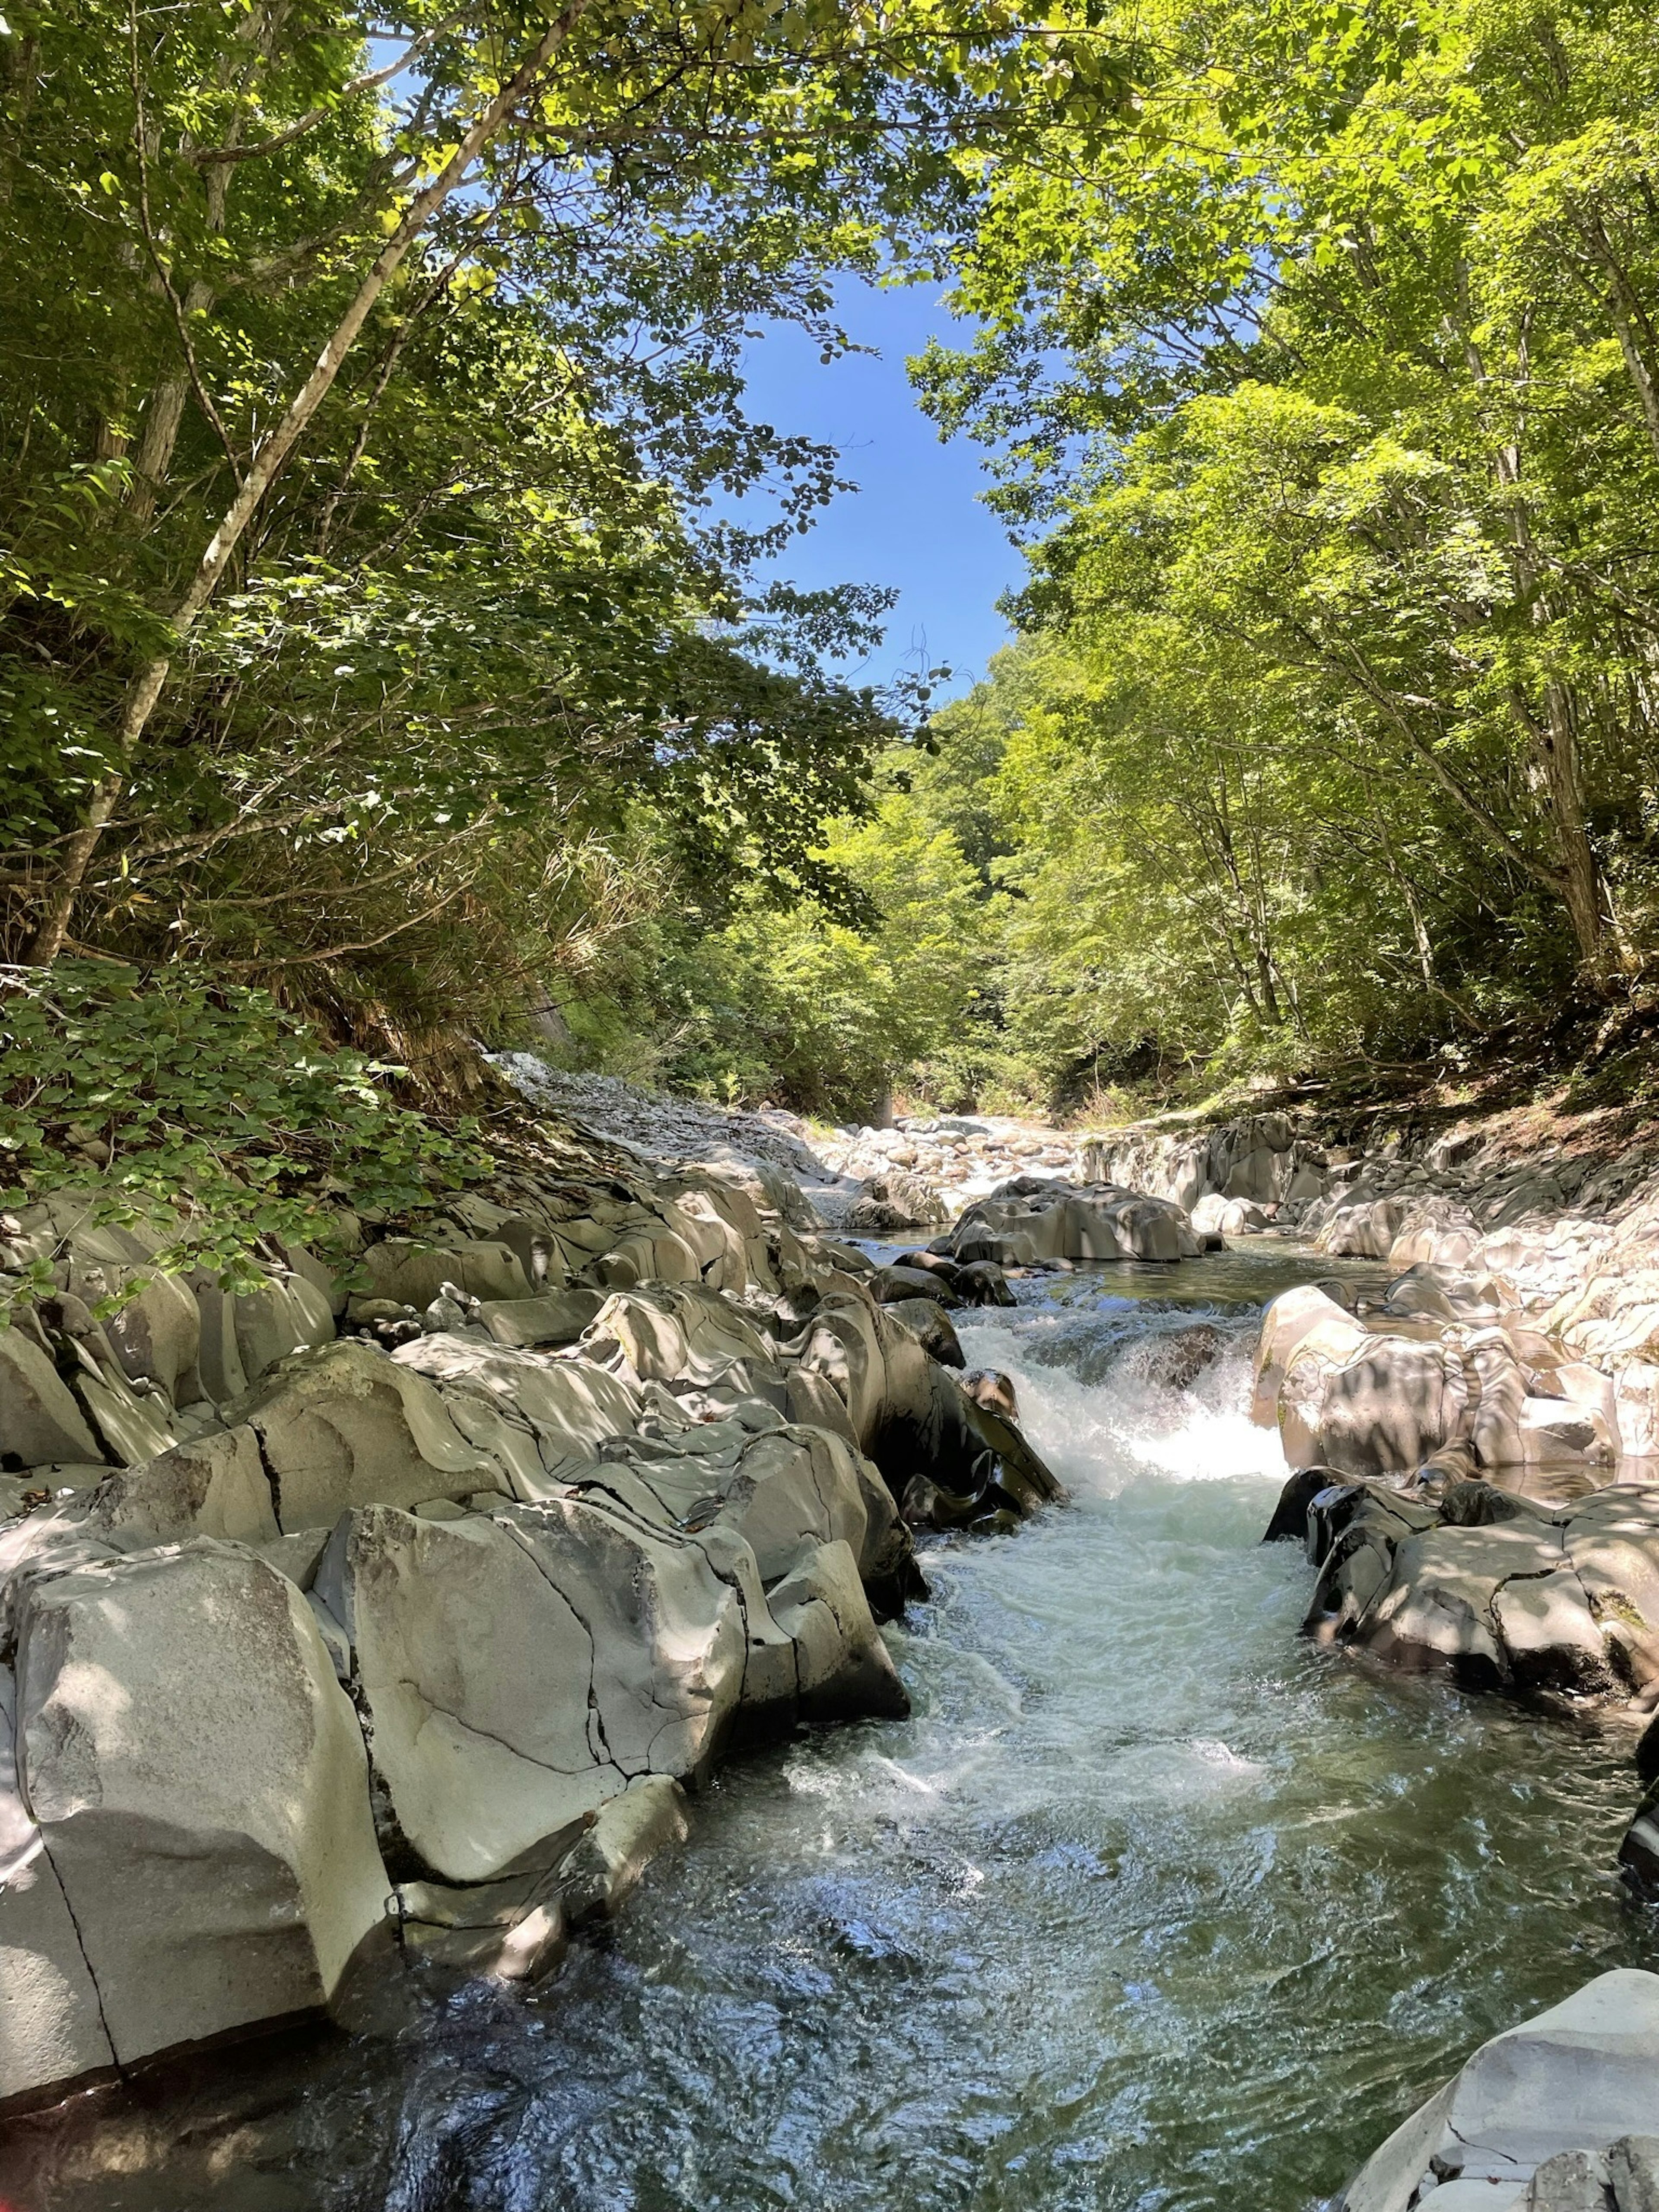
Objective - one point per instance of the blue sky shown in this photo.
(916, 520)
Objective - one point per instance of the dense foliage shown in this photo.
(210, 1112)
(369, 571)
(1332, 401)
(374, 629)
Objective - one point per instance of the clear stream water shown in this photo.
(1149, 1906)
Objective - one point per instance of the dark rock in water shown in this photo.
(1638, 1854)
(993, 1392)
(926, 1505)
(932, 1262)
(932, 1325)
(890, 1284)
(982, 1283)
(1178, 1359)
(1289, 1524)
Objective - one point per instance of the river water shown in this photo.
(1149, 1906)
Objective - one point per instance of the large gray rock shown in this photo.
(843, 1669)
(554, 1317)
(933, 1328)
(1306, 1324)
(40, 1420)
(912, 1418)
(1035, 1219)
(345, 1425)
(1580, 2078)
(412, 1273)
(1491, 1587)
(516, 1669)
(600, 1873)
(565, 1405)
(50, 2029)
(287, 1314)
(214, 1485)
(198, 1789)
(1386, 1408)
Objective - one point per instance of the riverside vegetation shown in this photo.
(410, 1492)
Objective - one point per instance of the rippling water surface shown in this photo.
(1149, 1906)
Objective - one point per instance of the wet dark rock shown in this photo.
(1289, 1523)
(1176, 1360)
(890, 1285)
(932, 1325)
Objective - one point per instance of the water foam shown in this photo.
(1100, 1424)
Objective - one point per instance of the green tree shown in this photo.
(1358, 329)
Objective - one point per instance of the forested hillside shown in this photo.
(1327, 401)
(379, 646)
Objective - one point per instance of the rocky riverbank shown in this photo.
(390, 1610)
(1474, 1478)
(389, 1614)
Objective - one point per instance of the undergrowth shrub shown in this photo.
(175, 1090)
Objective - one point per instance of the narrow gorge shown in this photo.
(489, 1660)
(828, 1106)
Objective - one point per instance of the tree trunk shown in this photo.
(1581, 877)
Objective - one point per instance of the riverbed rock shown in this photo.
(597, 1875)
(412, 1273)
(930, 1323)
(1033, 1220)
(517, 1669)
(348, 1425)
(1561, 2101)
(530, 1414)
(843, 1670)
(1492, 1588)
(1387, 1405)
(1176, 1359)
(554, 1317)
(198, 1789)
(993, 1392)
(213, 1485)
(912, 1418)
(890, 1285)
(39, 1419)
(895, 1199)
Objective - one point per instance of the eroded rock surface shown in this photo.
(1560, 2114)
(1036, 1221)
(1496, 1589)
(410, 1637)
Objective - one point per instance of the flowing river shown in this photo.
(1149, 1907)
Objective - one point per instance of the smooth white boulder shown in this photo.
(1305, 1317)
